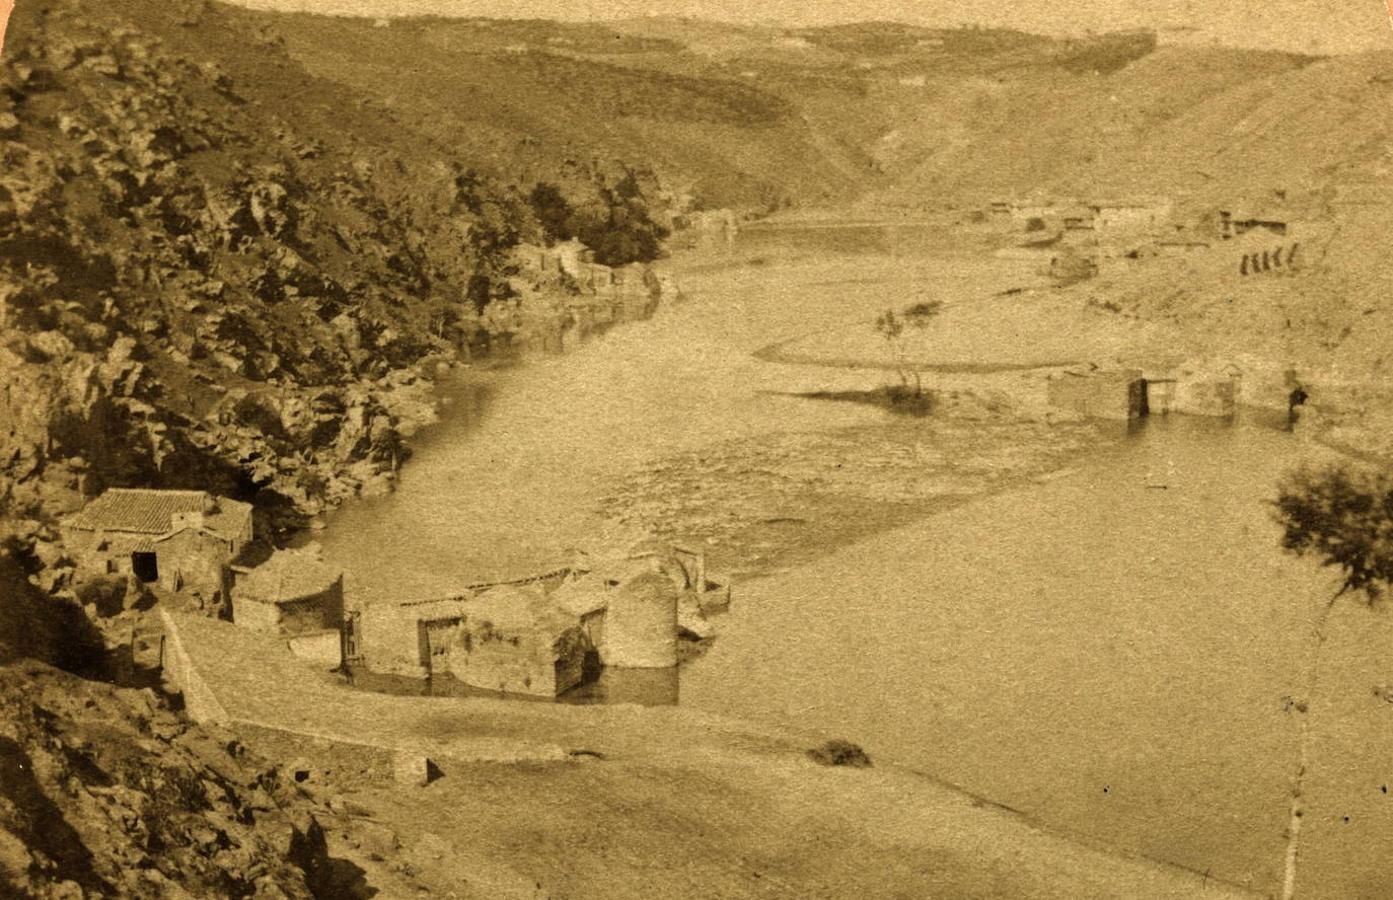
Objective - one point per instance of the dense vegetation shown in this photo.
(616, 224)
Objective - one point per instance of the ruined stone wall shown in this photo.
(1275, 259)
(257, 615)
(1101, 395)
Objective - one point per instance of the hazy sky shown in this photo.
(1323, 25)
(1329, 26)
(5, 7)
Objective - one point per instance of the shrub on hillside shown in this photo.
(840, 753)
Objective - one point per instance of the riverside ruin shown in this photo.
(542, 634)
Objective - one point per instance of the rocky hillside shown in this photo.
(106, 791)
(218, 270)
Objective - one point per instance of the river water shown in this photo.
(1109, 651)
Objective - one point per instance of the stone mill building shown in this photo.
(180, 540)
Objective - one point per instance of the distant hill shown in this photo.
(535, 99)
(1292, 25)
(1216, 126)
(760, 117)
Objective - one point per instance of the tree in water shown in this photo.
(1344, 518)
(891, 326)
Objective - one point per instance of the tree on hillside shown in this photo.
(891, 326)
(494, 230)
(1344, 518)
(614, 221)
(553, 211)
(619, 228)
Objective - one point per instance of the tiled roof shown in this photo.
(148, 511)
(229, 518)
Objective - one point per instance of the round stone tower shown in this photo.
(641, 622)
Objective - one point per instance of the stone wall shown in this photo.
(324, 647)
(313, 613)
(641, 623)
(1204, 396)
(114, 560)
(200, 703)
(1101, 395)
(195, 561)
(390, 641)
(520, 662)
(258, 615)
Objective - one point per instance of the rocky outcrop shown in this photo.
(106, 792)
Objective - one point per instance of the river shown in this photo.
(1108, 651)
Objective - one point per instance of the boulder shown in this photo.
(413, 769)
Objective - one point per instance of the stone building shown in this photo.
(509, 638)
(1117, 395)
(1135, 214)
(544, 634)
(1128, 394)
(293, 593)
(633, 608)
(392, 638)
(180, 540)
(515, 640)
(628, 609)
